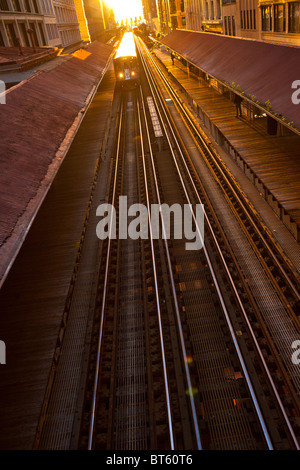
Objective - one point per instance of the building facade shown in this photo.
(212, 20)
(67, 22)
(94, 11)
(230, 19)
(279, 21)
(83, 26)
(177, 14)
(193, 13)
(17, 17)
(51, 23)
(171, 15)
(267, 20)
(150, 12)
(162, 12)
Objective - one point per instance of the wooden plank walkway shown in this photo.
(275, 160)
(33, 297)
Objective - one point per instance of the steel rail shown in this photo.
(273, 386)
(96, 379)
(225, 310)
(187, 372)
(165, 373)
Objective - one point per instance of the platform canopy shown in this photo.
(37, 125)
(265, 71)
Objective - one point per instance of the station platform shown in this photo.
(271, 162)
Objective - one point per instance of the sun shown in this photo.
(126, 11)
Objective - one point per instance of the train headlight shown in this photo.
(132, 73)
(121, 75)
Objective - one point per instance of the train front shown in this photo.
(126, 64)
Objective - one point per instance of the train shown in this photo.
(126, 63)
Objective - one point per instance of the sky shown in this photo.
(126, 9)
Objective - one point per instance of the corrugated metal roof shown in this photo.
(33, 124)
(266, 71)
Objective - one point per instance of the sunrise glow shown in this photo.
(126, 10)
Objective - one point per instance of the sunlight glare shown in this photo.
(126, 10)
(127, 46)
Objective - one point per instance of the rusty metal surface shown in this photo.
(12, 55)
(34, 122)
(264, 70)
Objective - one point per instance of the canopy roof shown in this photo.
(36, 125)
(266, 72)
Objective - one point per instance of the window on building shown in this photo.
(279, 18)
(233, 26)
(266, 17)
(1, 40)
(4, 5)
(294, 11)
(172, 7)
(218, 10)
(27, 6)
(174, 22)
(24, 35)
(12, 37)
(35, 6)
(225, 25)
(229, 25)
(32, 26)
(242, 19)
(40, 26)
(16, 5)
(52, 31)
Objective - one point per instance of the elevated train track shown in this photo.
(181, 351)
(198, 300)
(289, 294)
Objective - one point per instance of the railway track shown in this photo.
(172, 365)
(289, 295)
(193, 299)
(132, 310)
